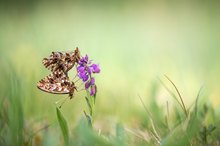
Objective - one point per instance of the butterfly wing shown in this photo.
(56, 83)
(55, 61)
(61, 61)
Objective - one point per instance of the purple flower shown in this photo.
(84, 76)
(84, 59)
(95, 68)
(81, 69)
(87, 85)
(90, 83)
(85, 71)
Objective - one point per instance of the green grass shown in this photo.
(173, 127)
(12, 116)
(135, 43)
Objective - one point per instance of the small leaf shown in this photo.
(63, 126)
(89, 119)
(89, 105)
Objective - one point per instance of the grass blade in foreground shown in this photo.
(63, 126)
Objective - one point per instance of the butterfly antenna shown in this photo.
(80, 85)
(58, 101)
(63, 102)
(77, 80)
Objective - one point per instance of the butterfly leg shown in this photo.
(62, 100)
(74, 77)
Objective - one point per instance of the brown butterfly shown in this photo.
(62, 61)
(57, 83)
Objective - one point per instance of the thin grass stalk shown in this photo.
(181, 99)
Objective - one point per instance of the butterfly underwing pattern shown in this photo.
(62, 61)
(58, 81)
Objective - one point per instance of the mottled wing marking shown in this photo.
(57, 83)
(61, 61)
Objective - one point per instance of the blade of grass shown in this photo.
(170, 92)
(16, 117)
(197, 99)
(168, 115)
(84, 135)
(181, 99)
(63, 126)
(154, 132)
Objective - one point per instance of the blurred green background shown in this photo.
(135, 43)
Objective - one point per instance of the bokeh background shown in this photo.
(134, 42)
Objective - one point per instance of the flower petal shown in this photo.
(83, 75)
(87, 84)
(86, 58)
(85, 78)
(89, 70)
(80, 68)
(93, 90)
(92, 81)
(95, 68)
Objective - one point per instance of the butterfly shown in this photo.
(61, 61)
(57, 83)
